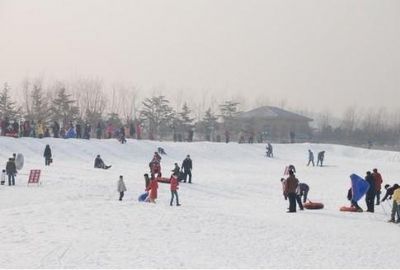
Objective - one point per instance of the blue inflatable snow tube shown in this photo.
(143, 197)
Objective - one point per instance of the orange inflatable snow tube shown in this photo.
(349, 209)
(313, 205)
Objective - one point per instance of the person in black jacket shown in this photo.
(187, 169)
(370, 196)
(99, 163)
(11, 171)
(389, 191)
(47, 155)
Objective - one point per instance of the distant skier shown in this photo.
(310, 158)
(321, 156)
(174, 186)
(269, 150)
(11, 171)
(378, 184)
(121, 187)
(99, 163)
(47, 156)
(187, 168)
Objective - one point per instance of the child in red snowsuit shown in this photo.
(153, 189)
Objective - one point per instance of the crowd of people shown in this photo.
(294, 190)
(79, 130)
(151, 181)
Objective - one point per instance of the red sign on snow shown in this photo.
(34, 177)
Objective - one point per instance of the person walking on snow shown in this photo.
(321, 156)
(310, 158)
(121, 187)
(47, 155)
(174, 186)
(378, 184)
(187, 169)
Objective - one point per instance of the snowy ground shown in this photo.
(232, 216)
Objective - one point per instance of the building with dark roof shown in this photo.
(276, 124)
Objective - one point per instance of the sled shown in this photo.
(313, 205)
(350, 209)
(19, 161)
(11, 134)
(143, 197)
(163, 180)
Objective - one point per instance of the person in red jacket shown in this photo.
(153, 189)
(174, 189)
(378, 184)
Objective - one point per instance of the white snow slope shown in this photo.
(232, 216)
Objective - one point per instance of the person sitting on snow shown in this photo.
(176, 170)
(99, 163)
(353, 203)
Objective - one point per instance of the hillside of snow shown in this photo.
(232, 216)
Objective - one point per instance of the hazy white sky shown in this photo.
(313, 54)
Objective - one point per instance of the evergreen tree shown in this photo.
(8, 107)
(229, 113)
(208, 125)
(185, 116)
(39, 107)
(63, 107)
(158, 115)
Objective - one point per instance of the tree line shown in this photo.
(86, 102)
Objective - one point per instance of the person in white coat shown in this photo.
(121, 187)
